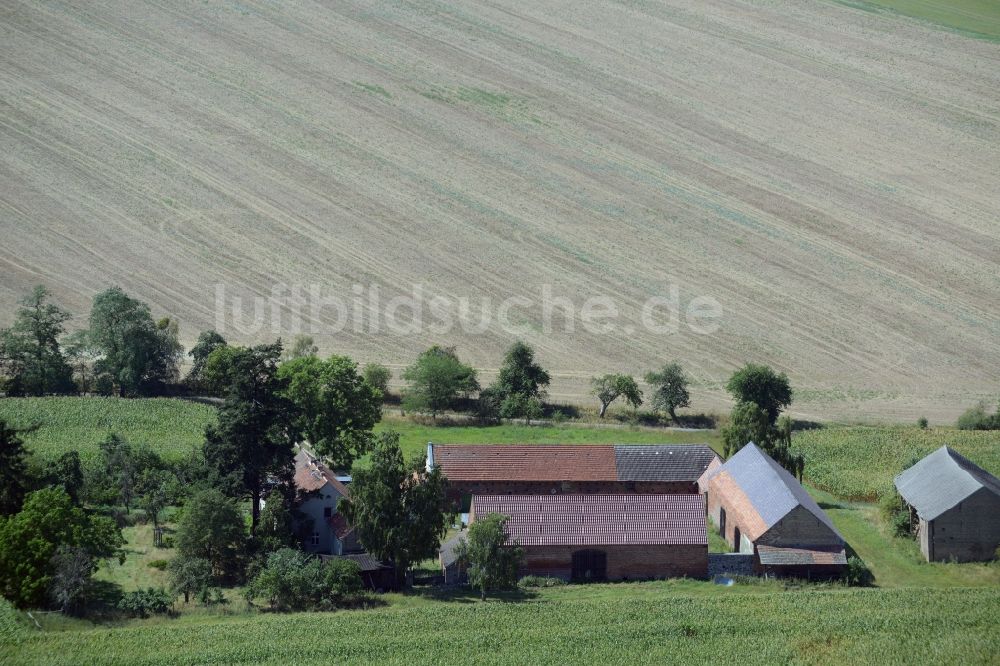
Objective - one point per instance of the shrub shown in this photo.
(340, 582)
(378, 376)
(977, 418)
(895, 514)
(540, 581)
(922, 422)
(159, 565)
(291, 580)
(857, 573)
(143, 603)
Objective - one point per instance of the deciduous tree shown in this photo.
(670, 389)
(490, 558)
(29, 350)
(13, 469)
(761, 385)
(609, 388)
(212, 528)
(520, 379)
(436, 379)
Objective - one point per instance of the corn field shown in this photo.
(171, 427)
(861, 462)
(574, 625)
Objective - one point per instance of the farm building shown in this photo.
(604, 537)
(957, 505)
(571, 469)
(761, 509)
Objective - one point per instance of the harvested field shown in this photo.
(827, 174)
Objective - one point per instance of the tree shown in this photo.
(67, 472)
(124, 466)
(747, 423)
(288, 580)
(761, 385)
(302, 346)
(212, 528)
(154, 484)
(520, 379)
(341, 582)
(491, 560)
(208, 342)
(254, 435)
(378, 376)
(29, 350)
(436, 379)
(81, 356)
(73, 568)
(399, 515)
(335, 408)
(13, 470)
(30, 539)
(609, 388)
(140, 355)
(670, 390)
(978, 418)
(189, 575)
(276, 529)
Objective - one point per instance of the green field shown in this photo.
(980, 18)
(171, 427)
(662, 622)
(860, 462)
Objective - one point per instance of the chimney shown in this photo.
(430, 456)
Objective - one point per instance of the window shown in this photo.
(315, 539)
(327, 511)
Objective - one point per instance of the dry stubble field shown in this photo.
(828, 174)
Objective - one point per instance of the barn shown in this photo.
(604, 537)
(957, 505)
(761, 509)
(514, 469)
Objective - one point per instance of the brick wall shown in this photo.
(624, 562)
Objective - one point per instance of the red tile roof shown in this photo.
(603, 520)
(527, 462)
(312, 475)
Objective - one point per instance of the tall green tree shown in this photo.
(436, 379)
(29, 350)
(13, 469)
(67, 473)
(140, 355)
(208, 342)
(81, 356)
(29, 540)
(763, 386)
(608, 388)
(189, 575)
(670, 390)
(747, 423)
(254, 436)
(212, 528)
(335, 408)
(491, 560)
(520, 384)
(378, 376)
(399, 515)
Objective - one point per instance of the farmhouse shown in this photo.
(572, 469)
(319, 491)
(957, 504)
(761, 509)
(604, 537)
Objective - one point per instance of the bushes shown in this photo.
(895, 514)
(143, 603)
(292, 581)
(540, 581)
(857, 573)
(977, 418)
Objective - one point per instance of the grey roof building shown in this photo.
(957, 504)
(761, 509)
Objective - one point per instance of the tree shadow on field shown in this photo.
(463, 594)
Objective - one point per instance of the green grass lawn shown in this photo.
(860, 462)
(413, 437)
(980, 18)
(171, 427)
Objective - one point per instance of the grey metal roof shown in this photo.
(662, 462)
(941, 480)
(365, 561)
(449, 549)
(773, 492)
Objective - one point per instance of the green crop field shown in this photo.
(171, 427)
(667, 622)
(860, 462)
(979, 18)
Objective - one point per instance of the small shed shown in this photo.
(957, 505)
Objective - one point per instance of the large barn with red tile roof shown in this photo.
(604, 537)
(548, 469)
(761, 509)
